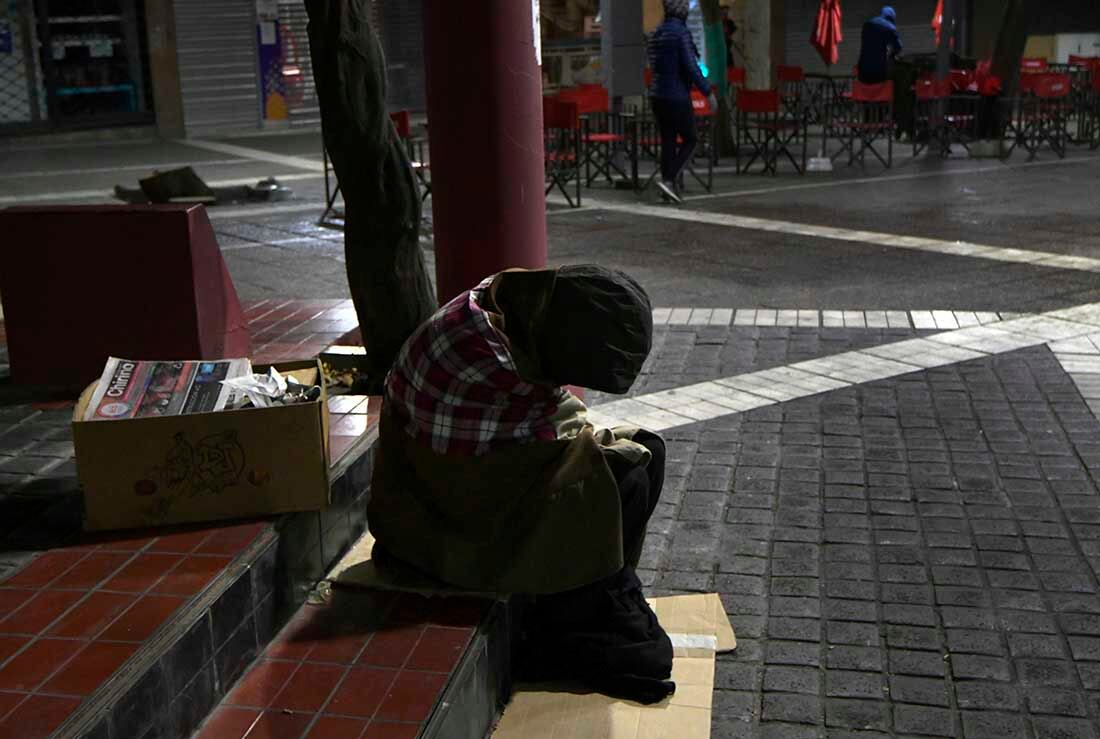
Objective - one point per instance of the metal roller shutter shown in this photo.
(915, 18)
(302, 104)
(301, 93)
(216, 48)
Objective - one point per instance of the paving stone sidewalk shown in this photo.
(683, 355)
(912, 557)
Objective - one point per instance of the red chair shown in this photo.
(604, 135)
(1040, 114)
(1031, 65)
(929, 115)
(706, 123)
(414, 149)
(792, 85)
(561, 128)
(1093, 125)
(766, 133)
(1046, 113)
(868, 117)
(1083, 71)
(944, 115)
(962, 80)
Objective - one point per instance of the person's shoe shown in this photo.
(668, 191)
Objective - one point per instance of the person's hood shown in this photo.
(887, 18)
(677, 8)
(581, 325)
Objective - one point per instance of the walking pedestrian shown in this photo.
(879, 44)
(674, 60)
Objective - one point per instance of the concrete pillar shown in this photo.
(758, 42)
(164, 70)
(485, 132)
(623, 47)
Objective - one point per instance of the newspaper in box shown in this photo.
(169, 442)
(133, 389)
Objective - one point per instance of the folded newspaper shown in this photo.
(144, 389)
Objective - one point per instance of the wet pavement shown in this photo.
(913, 552)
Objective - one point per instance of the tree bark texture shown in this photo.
(716, 64)
(386, 272)
(1011, 42)
(758, 40)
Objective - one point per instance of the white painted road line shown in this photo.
(791, 317)
(960, 172)
(259, 155)
(149, 167)
(1064, 329)
(893, 241)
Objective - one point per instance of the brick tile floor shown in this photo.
(71, 615)
(365, 663)
(297, 329)
(912, 556)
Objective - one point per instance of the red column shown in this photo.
(484, 90)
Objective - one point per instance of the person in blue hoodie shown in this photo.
(674, 60)
(880, 44)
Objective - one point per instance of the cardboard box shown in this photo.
(205, 466)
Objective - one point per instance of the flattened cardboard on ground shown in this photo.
(205, 466)
(698, 627)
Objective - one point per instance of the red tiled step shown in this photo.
(297, 329)
(371, 664)
(116, 633)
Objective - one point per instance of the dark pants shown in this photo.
(639, 492)
(604, 633)
(676, 119)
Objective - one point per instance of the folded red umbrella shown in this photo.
(826, 37)
(937, 20)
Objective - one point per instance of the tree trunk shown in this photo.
(1011, 41)
(386, 273)
(1007, 53)
(758, 39)
(717, 57)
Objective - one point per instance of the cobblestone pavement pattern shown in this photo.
(912, 556)
(915, 556)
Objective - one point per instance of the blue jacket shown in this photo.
(880, 36)
(675, 62)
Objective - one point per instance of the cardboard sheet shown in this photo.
(698, 627)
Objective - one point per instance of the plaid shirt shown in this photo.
(456, 388)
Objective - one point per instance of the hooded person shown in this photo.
(674, 61)
(880, 42)
(489, 477)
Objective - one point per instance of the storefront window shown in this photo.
(570, 43)
(73, 63)
(93, 60)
